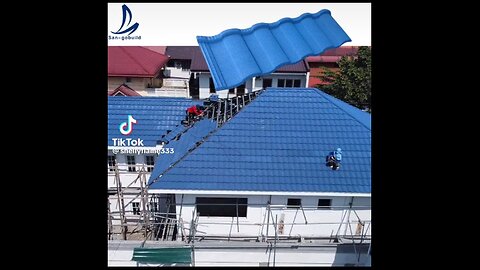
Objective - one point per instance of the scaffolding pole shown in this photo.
(121, 204)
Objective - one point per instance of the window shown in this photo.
(212, 86)
(221, 207)
(324, 203)
(150, 160)
(241, 89)
(132, 163)
(289, 83)
(153, 206)
(296, 83)
(128, 79)
(294, 203)
(178, 64)
(136, 208)
(186, 65)
(267, 83)
(111, 163)
(231, 91)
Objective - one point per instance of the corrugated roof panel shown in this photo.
(235, 55)
(248, 154)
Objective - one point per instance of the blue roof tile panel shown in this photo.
(154, 116)
(262, 149)
(236, 55)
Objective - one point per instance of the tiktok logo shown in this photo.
(127, 127)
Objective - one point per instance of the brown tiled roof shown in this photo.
(124, 89)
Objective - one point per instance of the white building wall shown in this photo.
(313, 256)
(203, 85)
(284, 257)
(256, 215)
(167, 92)
(250, 86)
(177, 72)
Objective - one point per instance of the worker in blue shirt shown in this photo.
(334, 158)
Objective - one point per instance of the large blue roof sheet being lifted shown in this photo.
(236, 55)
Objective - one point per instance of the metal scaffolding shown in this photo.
(158, 220)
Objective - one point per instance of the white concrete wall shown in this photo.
(177, 72)
(283, 257)
(167, 92)
(256, 215)
(203, 85)
(303, 256)
(177, 83)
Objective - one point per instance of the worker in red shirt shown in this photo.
(193, 112)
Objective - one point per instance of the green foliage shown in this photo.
(353, 82)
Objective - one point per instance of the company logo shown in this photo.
(127, 127)
(126, 30)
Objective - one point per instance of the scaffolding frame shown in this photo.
(151, 205)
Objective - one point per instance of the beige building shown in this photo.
(139, 68)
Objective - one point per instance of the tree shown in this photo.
(353, 82)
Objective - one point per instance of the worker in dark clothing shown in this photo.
(193, 113)
(334, 158)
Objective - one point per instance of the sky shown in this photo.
(162, 24)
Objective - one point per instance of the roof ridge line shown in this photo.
(328, 98)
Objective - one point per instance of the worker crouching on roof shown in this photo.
(334, 159)
(194, 113)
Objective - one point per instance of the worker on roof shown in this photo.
(334, 158)
(193, 113)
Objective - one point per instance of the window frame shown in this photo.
(132, 167)
(324, 207)
(219, 205)
(299, 82)
(136, 208)
(287, 82)
(290, 204)
(264, 84)
(149, 166)
(111, 168)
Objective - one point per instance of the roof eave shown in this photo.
(132, 75)
(259, 193)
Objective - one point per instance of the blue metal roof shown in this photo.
(187, 141)
(154, 115)
(236, 55)
(279, 142)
